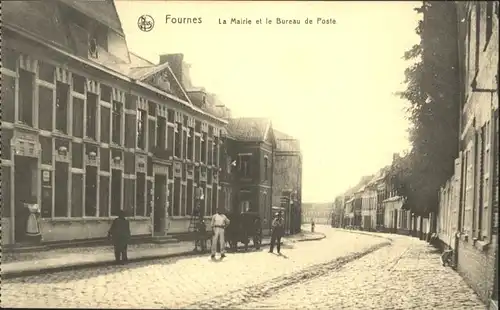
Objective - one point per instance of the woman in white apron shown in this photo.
(33, 226)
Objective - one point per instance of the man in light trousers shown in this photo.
(219, 224)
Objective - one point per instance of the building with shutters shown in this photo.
(89, 128)
(468, 213)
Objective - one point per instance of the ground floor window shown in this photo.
(61, 189)
(91, 191)
(76, 195)
(104, 196)
(116, 191)
(140, 197)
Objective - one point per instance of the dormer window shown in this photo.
(93, 48)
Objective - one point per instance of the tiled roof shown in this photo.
(141, 73)
(358, 187)
(104, 11)
(285, 142)
(138, 61)
(248, 129)
(41, 18)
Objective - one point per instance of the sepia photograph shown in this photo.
(161, 154)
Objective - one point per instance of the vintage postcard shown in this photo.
(249, 154)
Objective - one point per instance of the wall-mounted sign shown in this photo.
(46, 176)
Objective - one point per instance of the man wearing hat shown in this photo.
(219, 224)
(278, 230)
(120, 234)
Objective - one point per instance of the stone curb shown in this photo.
(111, 262)
(376, 235)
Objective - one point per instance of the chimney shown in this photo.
(175, 62)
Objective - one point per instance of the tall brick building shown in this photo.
(287, 179)
(469, 202)
(90, 128)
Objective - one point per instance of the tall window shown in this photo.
(178, 141)
(189, 207)
(62, 98)
(216, 151)
(141, 129)
(8, 97)
(204, 143)
(210, 153)
(105, 123)
(161, 132)
(485, 216)
(45, 104)
(116, 189)
(266, 168)
(117, 122)
(78, 105)
(140, 196)
(177, 197)
(214, 198)
(61, 189)
(244, 166)
(184, 199)
(197, 148)
(91, 191)
(25, 93)
(91, 115)
(190, 140)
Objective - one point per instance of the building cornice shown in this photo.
(115, 74)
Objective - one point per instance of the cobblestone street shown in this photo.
(175, 282)
(405, 275)
(331, 273)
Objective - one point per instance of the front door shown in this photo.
(160, 203)
(25, 179)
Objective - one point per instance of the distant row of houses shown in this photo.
(318, 212)
(373, 205)
(467, 219)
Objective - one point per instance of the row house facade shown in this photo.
(287, 179)
(468, 216)
(374, 205)
(369, 207)
(89, 128)
(250, 144)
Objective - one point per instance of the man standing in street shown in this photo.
(120, 234)
(278, 230)
(219, 224)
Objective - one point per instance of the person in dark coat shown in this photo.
(278, 230)
(120, 235)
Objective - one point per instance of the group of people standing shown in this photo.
(220, 222)
(119, 233)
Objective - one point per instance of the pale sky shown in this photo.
(331, 86)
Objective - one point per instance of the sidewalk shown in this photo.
(25, 264)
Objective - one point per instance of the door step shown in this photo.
(164, 239)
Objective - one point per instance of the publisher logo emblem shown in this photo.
(146, 23)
